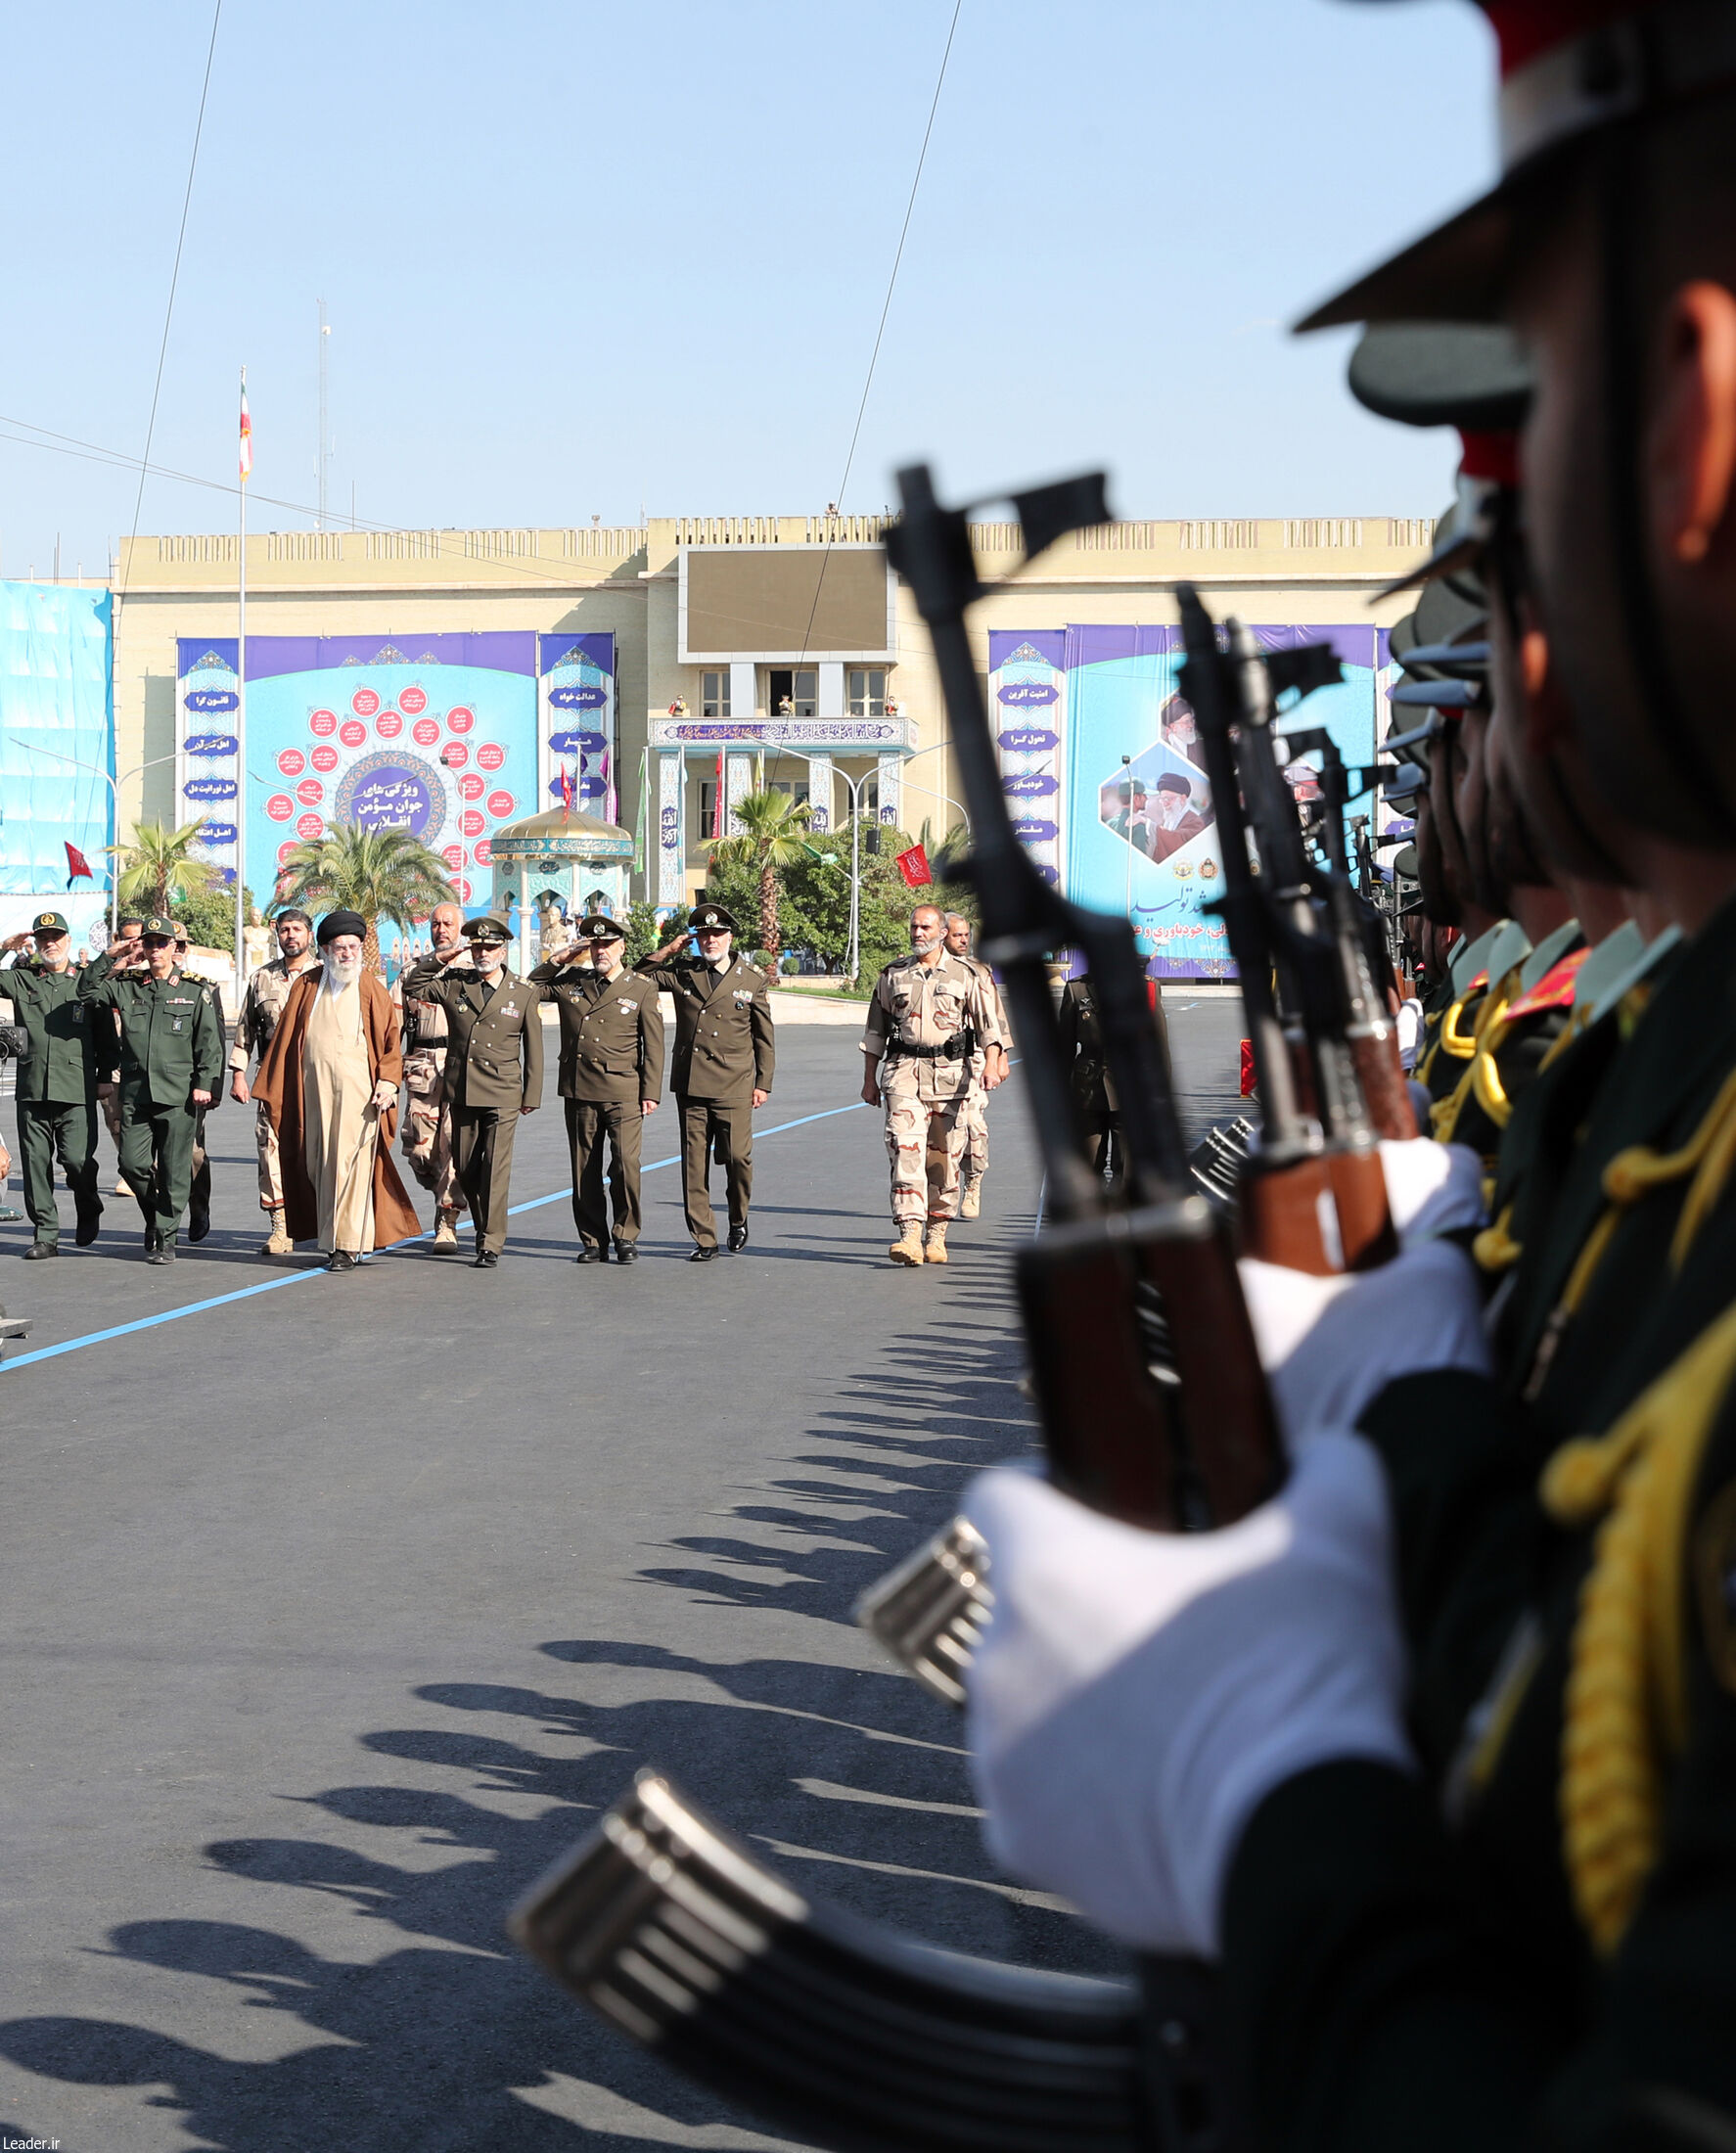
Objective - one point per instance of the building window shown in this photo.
(794, 788)
(791, 692)
(707, 809)
(867, 691)
(715, 694)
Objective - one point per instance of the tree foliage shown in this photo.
(382, 873)
(773, 839)
(208, 916)
(159, 870)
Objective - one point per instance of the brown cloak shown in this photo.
(278, 1086)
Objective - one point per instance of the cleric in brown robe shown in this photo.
(329, 1082)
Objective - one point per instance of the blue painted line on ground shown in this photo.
(300, 1278)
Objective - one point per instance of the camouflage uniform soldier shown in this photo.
(267, 990)
(427, 1114)
(928, 1015)
(974, 1163)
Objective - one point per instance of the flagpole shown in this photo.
(246, 454)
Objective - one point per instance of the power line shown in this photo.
(169, 312)
(885, 309)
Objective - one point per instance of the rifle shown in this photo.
(1369, 1032)
(1317, 1199)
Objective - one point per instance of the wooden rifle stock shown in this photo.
(1374, 1053)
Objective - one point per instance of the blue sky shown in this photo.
(584, 259)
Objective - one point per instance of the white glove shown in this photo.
(1138, 1694)
(1432, 1188)
(1331, 1345)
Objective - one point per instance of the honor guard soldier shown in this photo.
(721, 1069)
(57, 1084)
(427, 1114)
(612, 1076)
(171, 1058)
(928, 1015)
(974, 1163)
(1450, 1759)
(267, 990)
(493, 1069)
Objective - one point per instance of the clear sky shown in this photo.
(583, 261)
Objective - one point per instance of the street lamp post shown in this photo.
(853, 953)
(113, 784)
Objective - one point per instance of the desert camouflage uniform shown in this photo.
(916, 1006)
(974, 1163)
(426, 1142)
(268, 989)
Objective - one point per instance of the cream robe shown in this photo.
(342, 1120)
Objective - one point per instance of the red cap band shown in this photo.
(1526, 28)
(1489, 456)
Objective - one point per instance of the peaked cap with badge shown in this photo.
(487, 928)
(708, 912)
(1573, 74)
(50, 923)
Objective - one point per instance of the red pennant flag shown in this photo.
(566, 792)
(1247, 1068)
(914, 867)
(76, 865)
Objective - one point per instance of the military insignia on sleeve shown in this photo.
(1714, 1580)
(205, 995)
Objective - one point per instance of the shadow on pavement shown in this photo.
(838, 1769)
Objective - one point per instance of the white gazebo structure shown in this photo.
(559, 861)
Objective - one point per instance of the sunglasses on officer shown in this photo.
(158, 942)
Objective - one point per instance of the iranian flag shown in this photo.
(246, 432)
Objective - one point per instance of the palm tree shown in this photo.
(159, 869)
(382, 873)
(773, 838)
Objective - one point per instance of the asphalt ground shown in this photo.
(333, 1612)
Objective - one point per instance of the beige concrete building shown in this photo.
(782, 643)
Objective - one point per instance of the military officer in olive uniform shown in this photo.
(1093, 1093)
(171, 1056)
(494, 1068)
(612, 1076)
(57, 1081)
(721, 1069)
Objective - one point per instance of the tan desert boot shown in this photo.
(907, 1248)
(445, 1232)
(280, 1243)
(936, 1251)
(968, 1202)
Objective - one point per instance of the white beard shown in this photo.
(339, 975)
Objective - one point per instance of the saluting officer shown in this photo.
(612, 1076)
(721, 1071)
(494, 1068)
(171, 1056)
(57, 1084)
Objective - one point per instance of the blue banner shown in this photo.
(57, 742)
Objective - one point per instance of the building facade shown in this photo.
(724, 651)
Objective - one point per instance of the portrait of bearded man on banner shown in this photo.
(330, 1083)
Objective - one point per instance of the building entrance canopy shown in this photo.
(849, 736)
(816, 740)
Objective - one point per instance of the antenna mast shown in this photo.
(322, 461)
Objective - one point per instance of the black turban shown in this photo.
(342, 923)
